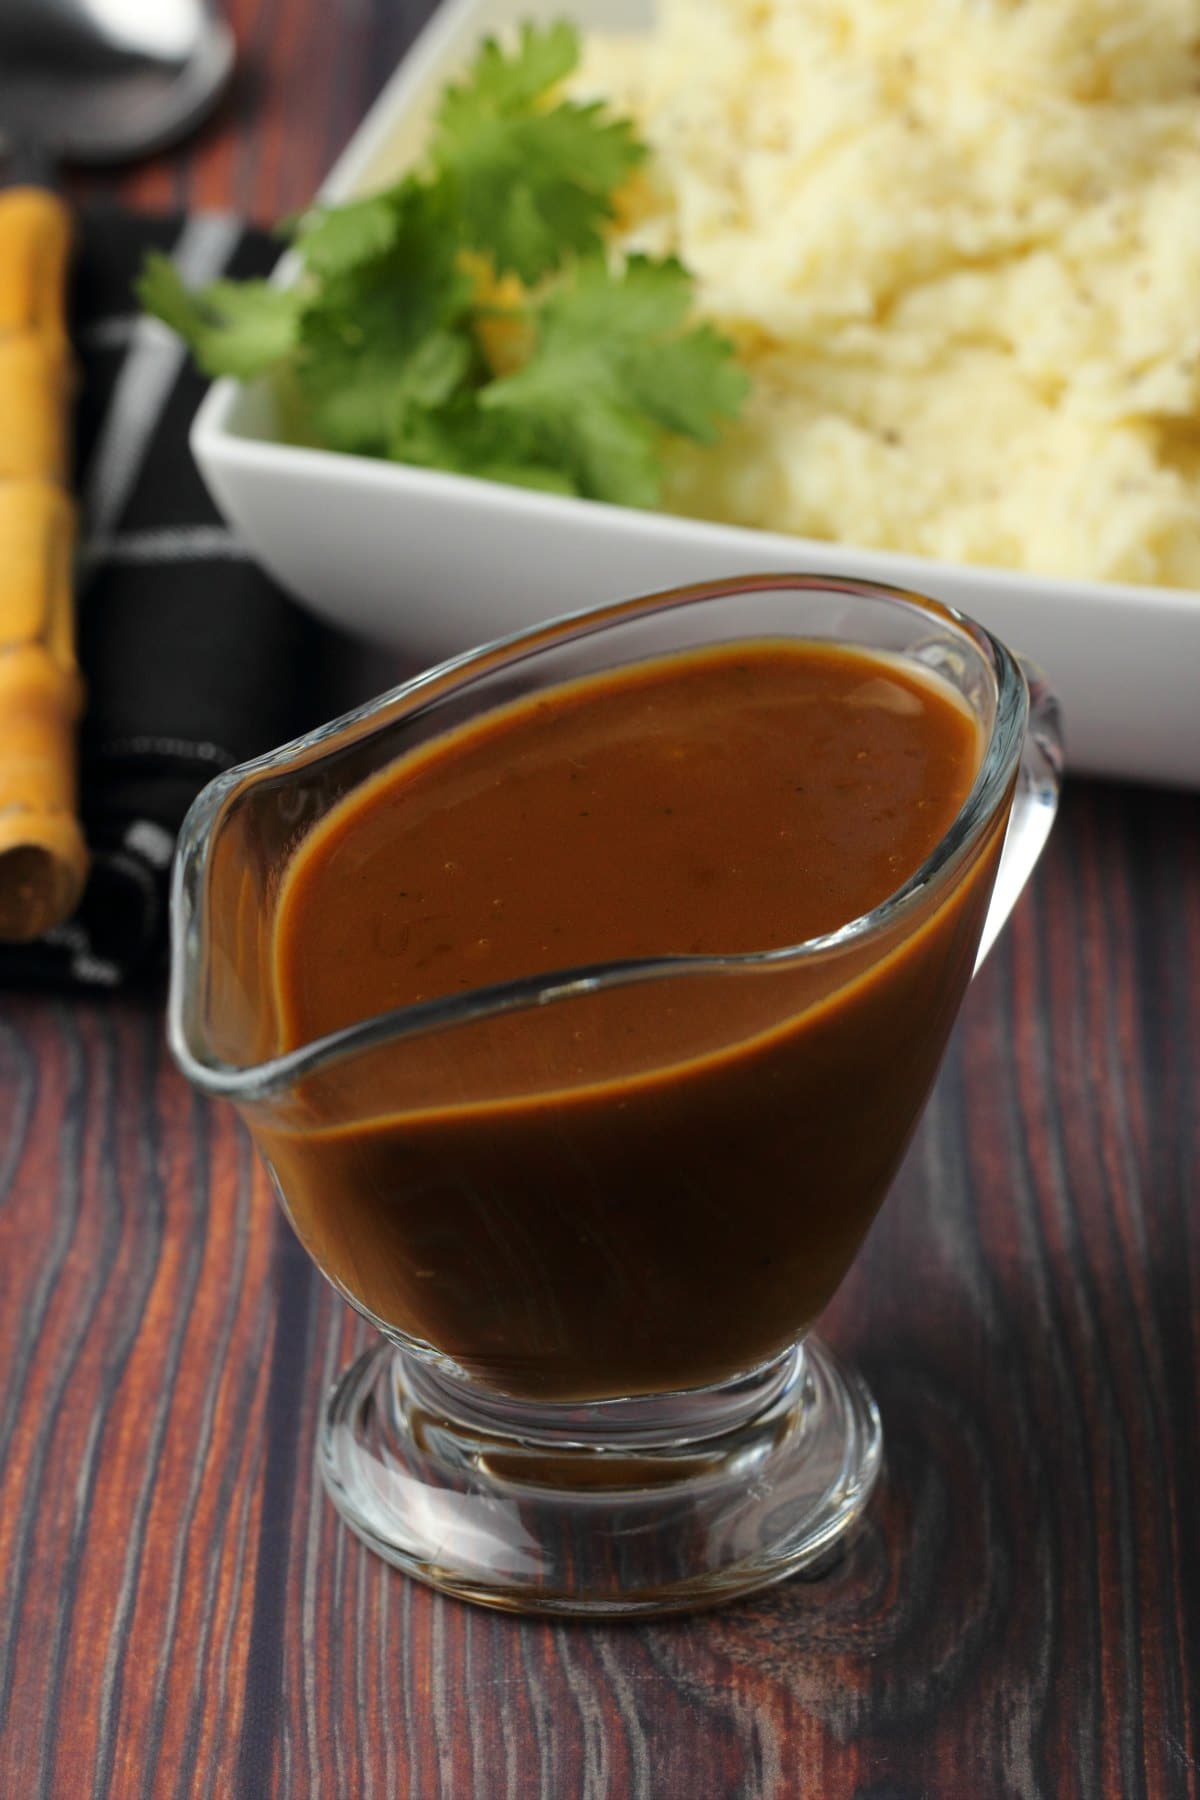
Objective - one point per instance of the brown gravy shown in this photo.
(661, 1185)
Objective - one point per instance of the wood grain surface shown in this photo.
(182, 1613)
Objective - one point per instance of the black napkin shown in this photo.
(193, 659)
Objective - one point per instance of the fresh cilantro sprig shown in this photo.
(232, 327)
(534, 182)
(387, 346)
(613, 367)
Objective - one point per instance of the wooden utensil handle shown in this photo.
(43, 857)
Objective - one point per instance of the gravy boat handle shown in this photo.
(1035, 802)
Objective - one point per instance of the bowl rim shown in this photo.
(214, 440)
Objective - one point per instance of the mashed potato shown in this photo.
(958, 244)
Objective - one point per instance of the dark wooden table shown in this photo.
(182, 1613)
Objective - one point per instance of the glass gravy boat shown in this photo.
(596, 1388)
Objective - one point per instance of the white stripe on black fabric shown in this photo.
(166, 544)
(110, 334)
(152, 842)
(86, 966)
(147, 377)
(188, 750)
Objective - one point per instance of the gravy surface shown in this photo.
(735, 799)
(660, 1185)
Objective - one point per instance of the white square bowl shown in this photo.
(433, 563)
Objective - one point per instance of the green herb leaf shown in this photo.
(499, 85)
(613, 368)
(689, 384)
(335, 239)
(534, 183)
(385, 334)
(461, 437)
(237, 328)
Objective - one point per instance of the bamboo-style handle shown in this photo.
(43, 858)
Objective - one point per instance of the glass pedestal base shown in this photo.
(620, 1507)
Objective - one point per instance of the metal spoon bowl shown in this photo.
(102, 81)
